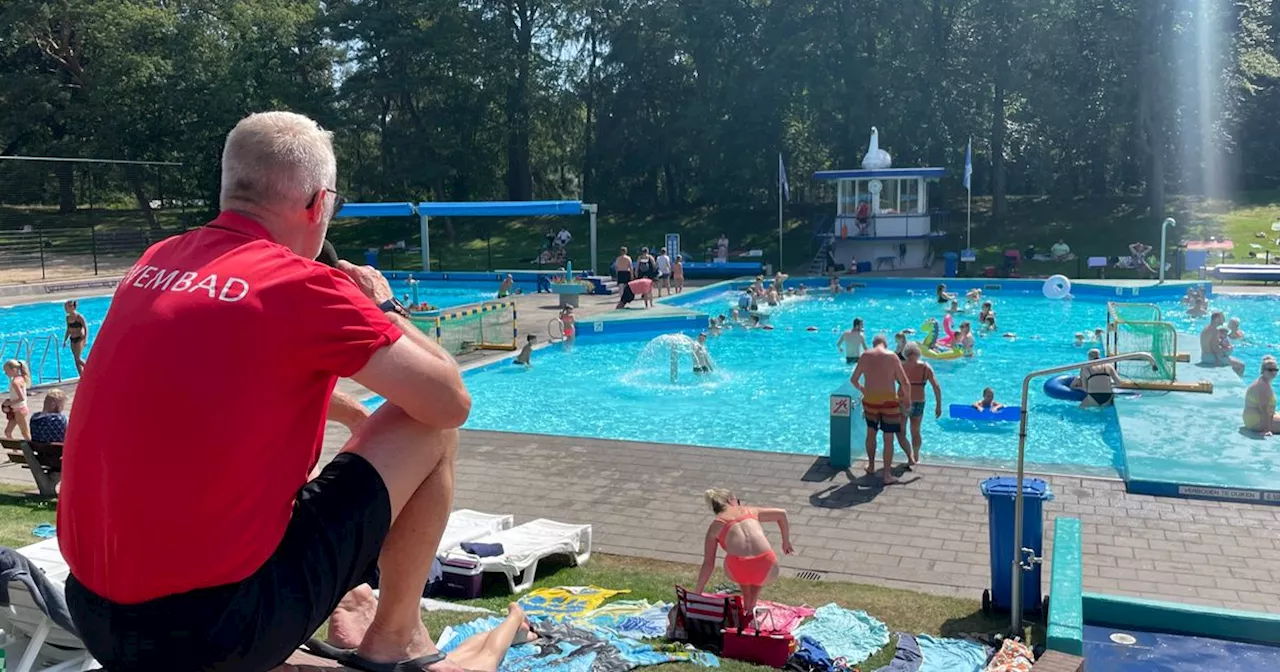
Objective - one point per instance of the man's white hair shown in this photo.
(276, 159)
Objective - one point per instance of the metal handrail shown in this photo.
(1016, 601)
(50, 341)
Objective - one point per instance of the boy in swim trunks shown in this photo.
(883, 383)
(852, 342)
(988, 401)
(526, 353)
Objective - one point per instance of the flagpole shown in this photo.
(968, 216)
(780, 217)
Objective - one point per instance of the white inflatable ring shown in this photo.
(1057, 287)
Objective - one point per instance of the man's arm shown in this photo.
(419, 376)
(345, 410)
(853, 378)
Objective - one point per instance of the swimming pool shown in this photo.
(451, 293)
(769, 391)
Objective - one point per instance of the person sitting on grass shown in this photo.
(988, 401)
(1060, 251)
(749, 559)
(1260, 400)
(50, 424)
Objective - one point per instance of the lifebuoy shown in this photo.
(1057, 287)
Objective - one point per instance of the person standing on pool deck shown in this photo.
(918, 373)
(664, 272)
(622, 267)
(1211, 353)
(641, 287)
(853, 343)
(883, 387)
(252, 557)
(77, 333)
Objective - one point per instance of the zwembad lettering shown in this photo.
(229, 289)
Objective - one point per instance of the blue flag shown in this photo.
(968, 164)
(782, 179)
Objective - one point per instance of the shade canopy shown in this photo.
(376, 210)
(499, 208)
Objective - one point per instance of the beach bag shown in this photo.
(700, 619)
(762, 644)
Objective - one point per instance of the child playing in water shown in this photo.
(900, 343)
(801, 290)
(1097, 336)
(1233, 329)
(988, 401)
(1079, 339)
(955, 307)
(986, 312)
(834, 286)
(974, 296)
(526, 353)
(1225, 346)
(701, 360)
(964, 338)
(713, 327)
(567, 324)
(677, 273)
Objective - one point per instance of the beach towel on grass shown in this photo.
(952, 655)
(907, 658)
(569, 602)
(636, 619)
(852, 635)
(782, 617)
(1013, 656)
(569, 647)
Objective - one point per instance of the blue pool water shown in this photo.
(770, 389)
(450, 294)
(1114, 650)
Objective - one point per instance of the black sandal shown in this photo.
(355, 661)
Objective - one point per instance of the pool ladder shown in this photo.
(47, 345)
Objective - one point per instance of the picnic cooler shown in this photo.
(759, 645)
(463, 578)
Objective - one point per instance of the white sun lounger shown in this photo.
(467, 525)
(523, 547)
(64, 651)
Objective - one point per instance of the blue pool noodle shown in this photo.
(968, 412)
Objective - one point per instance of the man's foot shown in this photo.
(890, 479)
(378, 647)
(525, 634)
(352, 618)
(871, 468)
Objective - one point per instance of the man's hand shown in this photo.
(372, 283)
(937, 411)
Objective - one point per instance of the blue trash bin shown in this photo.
(371, 257)
(1000, 492)
(951, 262)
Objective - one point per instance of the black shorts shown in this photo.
(339, 522)
(627, 295)
(624, 277)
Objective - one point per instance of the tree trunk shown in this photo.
(588, 126)
(133, 174)
(519, 171)
(998, 202)
(65, 171)
(1150, 119)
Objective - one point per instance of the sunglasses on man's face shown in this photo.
(338, 200)
(1270, 369)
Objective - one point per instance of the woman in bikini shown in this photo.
(1260, 400)
(77, 334)
(749, 559)
(1098, 382)
(918, 374)
(15, 407)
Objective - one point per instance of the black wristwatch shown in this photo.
(393, 305)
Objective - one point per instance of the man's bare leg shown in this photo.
(416, 464)
(889, 478)
(871, 451)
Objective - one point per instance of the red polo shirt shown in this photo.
(203, 410)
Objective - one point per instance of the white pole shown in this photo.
(591, 209)
(968, 217)
(1164, 231)
(426, 242)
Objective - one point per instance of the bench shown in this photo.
(43, 459)
(1066, 589)
(890, 259)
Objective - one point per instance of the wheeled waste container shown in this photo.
(1000, 492)
(951, 264)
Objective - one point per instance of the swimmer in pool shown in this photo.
(990, 323)
(1079, 339)
(505, 288)
(526, 353)
(852, 343)
(802, 290)
(988, 401)
(1260, 400)
(987, 311)
(702, 359)
(1233, 329)
(1098, 382)
(943, 296)
(900, 344)
(834, 286)
(974, 296)
(1098, 337)
(964, 338)
(955, 307)
(713, 327)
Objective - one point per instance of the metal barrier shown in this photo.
(50, 343)
(76, 251)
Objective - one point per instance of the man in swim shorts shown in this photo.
(1211, 351)
(852, 343)
(195, 543)
(641, 287)
(885, 389)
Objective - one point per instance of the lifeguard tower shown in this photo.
(882, 214)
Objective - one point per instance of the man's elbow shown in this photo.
(444, 411)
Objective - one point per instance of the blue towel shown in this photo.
(811, 654)
(45, 531)
(852, 635)
(952, 655)
(908, 656)
(482, 550)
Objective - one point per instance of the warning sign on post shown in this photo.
(840, 405)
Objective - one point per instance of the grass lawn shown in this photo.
(647, 579)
